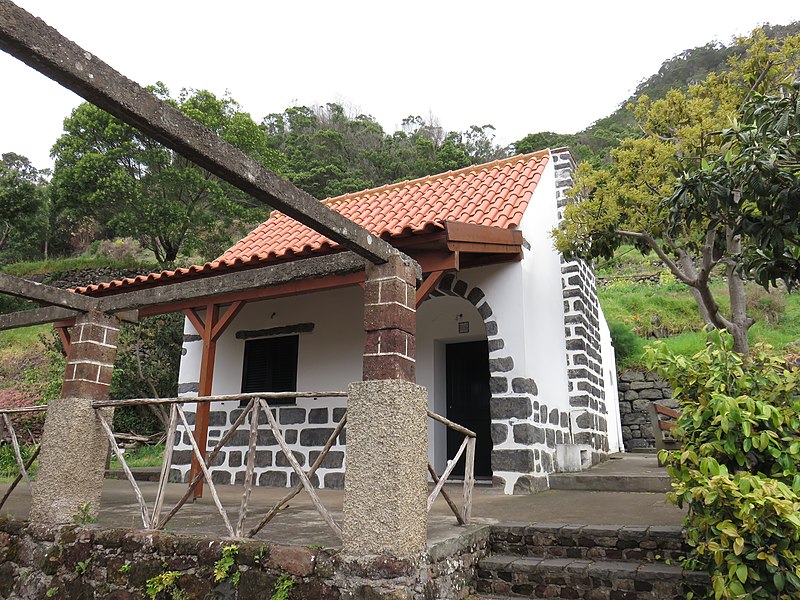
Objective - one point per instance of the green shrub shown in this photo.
(739, 469)
(9, 304)
(626, 344)
(8, 460)
(137, 420)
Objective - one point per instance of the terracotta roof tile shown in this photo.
(494, 194)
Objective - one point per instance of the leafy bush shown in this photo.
(626, 344)
(9, 304)
(8, 460)
(147, 365)
(739, 469)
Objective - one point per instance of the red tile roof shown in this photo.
(494, 194)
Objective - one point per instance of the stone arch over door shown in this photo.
(523, 431)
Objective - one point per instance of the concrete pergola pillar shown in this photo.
(385, 510)
(74, 445)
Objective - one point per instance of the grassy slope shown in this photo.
(668, 311)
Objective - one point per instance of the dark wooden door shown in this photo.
(468, 397)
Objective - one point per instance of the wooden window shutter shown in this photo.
(270, 365)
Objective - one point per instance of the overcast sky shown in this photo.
(521, 66)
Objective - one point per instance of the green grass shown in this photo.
(28, 269)
(8, 462)
(678, 321)
(25, 337)
(144, 456)
(668, 311)
(61, 265)
(650, 308)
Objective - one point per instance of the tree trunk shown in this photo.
(740, 322)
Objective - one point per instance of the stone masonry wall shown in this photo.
(588, 409)
(40, 561)
(306, 428)
(637, 390)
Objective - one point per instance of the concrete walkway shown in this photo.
(300, 524)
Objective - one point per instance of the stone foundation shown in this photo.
(38, 561)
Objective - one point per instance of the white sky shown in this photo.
(521, 66)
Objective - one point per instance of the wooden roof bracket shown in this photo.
(431, 281)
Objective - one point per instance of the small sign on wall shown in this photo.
(463, 327)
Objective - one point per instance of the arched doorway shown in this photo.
(453, 363)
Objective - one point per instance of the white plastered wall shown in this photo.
(545, 341)
(615, 442)
(329, 357)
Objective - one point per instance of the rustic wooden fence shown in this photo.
(256, 404)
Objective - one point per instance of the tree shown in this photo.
(22, 199)
(753, 184)
(330, 152)
(634, 199)
(133, 186)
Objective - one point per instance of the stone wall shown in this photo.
(637, 390)
(306, 429)
(39, 561)
(84, 277)
(588, 423)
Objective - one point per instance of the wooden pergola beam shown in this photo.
(43, 48)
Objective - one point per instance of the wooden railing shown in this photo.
(26, 465)
(464, 514)
(256, 404)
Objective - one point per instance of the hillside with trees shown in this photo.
(122, 201)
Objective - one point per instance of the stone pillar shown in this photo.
(386, 481)
(74, 446)
(390, 320)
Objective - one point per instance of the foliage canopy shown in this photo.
(739, 469)
(131, 185)
(637, 199)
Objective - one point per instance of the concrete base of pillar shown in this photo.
(571, 458)
(72, 462)
(386, 483)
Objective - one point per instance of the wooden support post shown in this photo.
(66, 341)
(210, 327)
(431, 281)
(205, 327)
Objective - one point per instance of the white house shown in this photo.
(511, 341)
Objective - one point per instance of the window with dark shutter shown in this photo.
(270, 365)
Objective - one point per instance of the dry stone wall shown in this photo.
(41, 561)
(637, 390)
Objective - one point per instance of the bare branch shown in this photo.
(656, 247)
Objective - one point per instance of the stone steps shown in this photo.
(508, 576)
(596, 562)
(591, 482)
(629, 472)
(589, 542)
